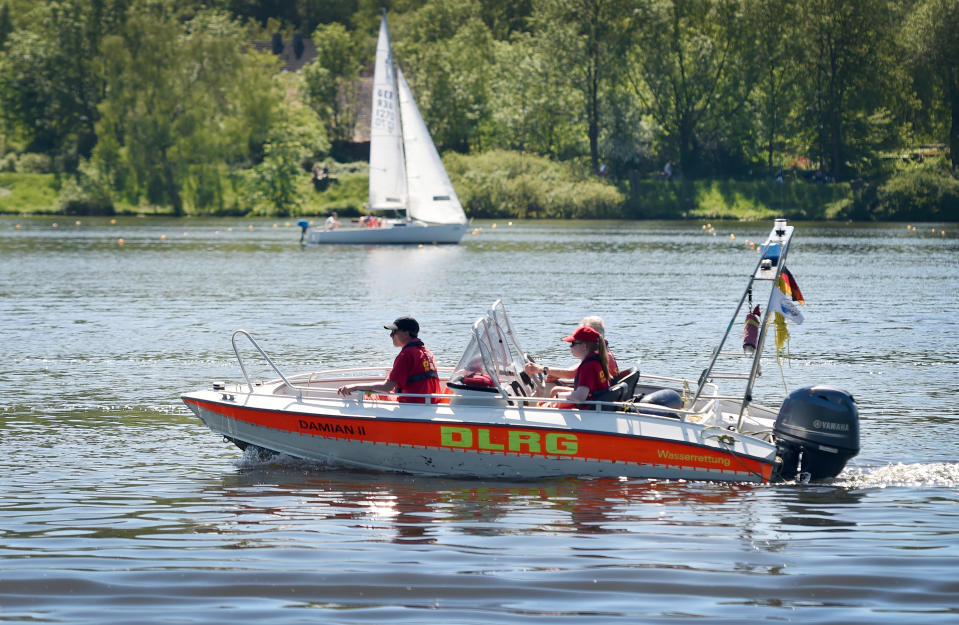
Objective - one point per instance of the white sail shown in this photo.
(431, 197)
(387, 167)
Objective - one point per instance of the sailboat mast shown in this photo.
(388, 185)
(403, 156)
(399, 119)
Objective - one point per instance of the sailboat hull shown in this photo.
(405, 232)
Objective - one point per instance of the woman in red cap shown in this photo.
(555, 374)
(593, 374)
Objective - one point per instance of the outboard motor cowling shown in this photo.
(817, 432)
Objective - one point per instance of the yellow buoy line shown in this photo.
(709, 229)
(941, 233)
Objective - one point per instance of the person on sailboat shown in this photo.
(332, 222)
(554, 374)
(414, 369)
(369, 221)
(592, 375)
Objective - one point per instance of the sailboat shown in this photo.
(407, 176)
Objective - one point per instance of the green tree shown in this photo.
(276, 179)
(934, 43)
(296, 138)
(331, 80)
(777, 47)
(587, 40)
(627, 137)
(505, 17)
(255, 107)
(303, 15)
(50, 76)
(850, 73)
(171, 105)
(445, 51)
(527, 111)
(6, 24)
(683, 64)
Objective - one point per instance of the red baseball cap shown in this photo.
(584, 333)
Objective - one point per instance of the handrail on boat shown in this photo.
(518, 399)
(621, 406)
(385, 368)
(488, 359)
(781, 235)
(299, 393)
(640, 408)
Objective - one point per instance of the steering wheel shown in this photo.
(539, 378)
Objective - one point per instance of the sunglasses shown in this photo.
(393, 333)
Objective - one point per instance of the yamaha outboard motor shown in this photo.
(817, 432)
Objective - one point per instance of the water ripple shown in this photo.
(118, 507)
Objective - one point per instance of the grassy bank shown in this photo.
(50, 194)
(511, 184)
(500, 184)
(347, 193)
(28, 193)
(733, 199)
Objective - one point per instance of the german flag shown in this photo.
(790, 287)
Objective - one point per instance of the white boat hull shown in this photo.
(407, 232)
(491, 419)
(476, 440)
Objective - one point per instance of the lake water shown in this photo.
(117, 506)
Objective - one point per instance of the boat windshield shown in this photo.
(493, 360)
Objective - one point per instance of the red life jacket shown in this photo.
(422, 377)
(593, 392)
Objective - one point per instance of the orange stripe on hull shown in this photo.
(500, 439)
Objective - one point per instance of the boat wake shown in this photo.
(254, 458)
(920, 475)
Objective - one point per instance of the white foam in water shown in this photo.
(256, 457)
(924, 475)
(930, 475)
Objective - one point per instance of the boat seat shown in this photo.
(614, 393)
(518, 389)
(528, 381)
(628, 377)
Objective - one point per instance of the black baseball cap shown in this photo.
(406, 323)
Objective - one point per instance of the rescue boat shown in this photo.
(492, 420)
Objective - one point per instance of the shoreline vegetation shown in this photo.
(504, 184)
(623, 109)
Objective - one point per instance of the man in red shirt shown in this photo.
(414, 370)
